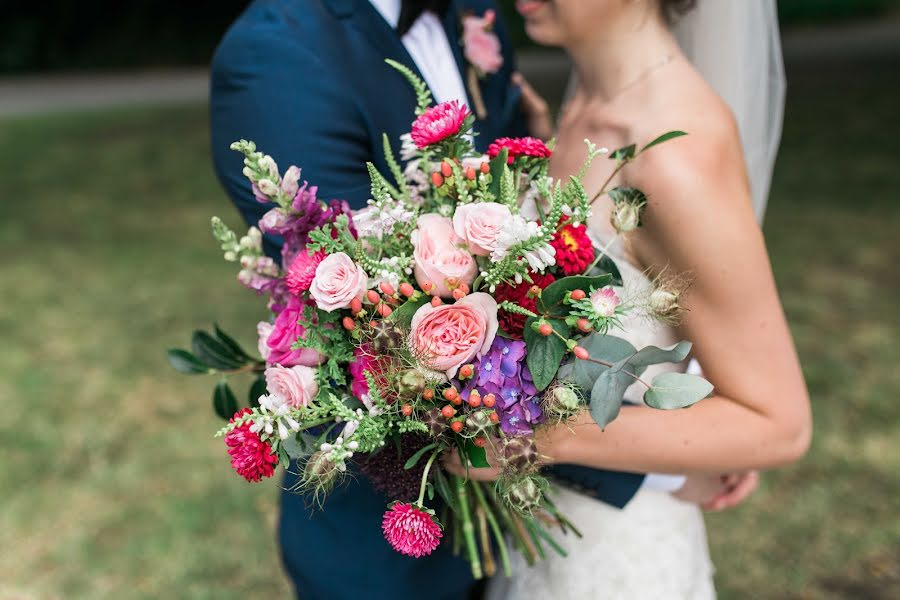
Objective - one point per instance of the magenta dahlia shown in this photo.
(302, 270)
(251, 457)
(574, 249)
(516, 147)
(438, 123)
(410, 530)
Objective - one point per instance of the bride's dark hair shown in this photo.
(672, 9)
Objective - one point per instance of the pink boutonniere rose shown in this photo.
(482, 50)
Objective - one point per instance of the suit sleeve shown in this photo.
(270, 88)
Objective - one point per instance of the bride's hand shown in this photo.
(718, 492)
(453, 464)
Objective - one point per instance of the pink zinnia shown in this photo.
(524, 146)
(438, 123)
(251, 457)
(411, 530)
(302, 271)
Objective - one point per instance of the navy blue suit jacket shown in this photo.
(306, 80)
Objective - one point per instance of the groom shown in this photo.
(306, 80)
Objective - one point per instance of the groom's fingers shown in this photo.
(535, 108)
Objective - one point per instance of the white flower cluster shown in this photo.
(341, 449)
(274, 414)
(380, 217)
(517, 231)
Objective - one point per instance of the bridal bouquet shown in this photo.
(461, 310)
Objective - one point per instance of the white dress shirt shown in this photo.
(428, 46)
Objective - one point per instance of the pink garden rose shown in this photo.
(437, 255)
(481, 45)
(284, 333)
(295, 385)
(450, 335)
(479, 224)
(337, 282)
(438, 123)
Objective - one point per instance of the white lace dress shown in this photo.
(655, 548)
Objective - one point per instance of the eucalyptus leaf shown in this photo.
(477, 456)
(607, 348)
(224, 402)
(607, 394)
(663, 138)
(185, 362)
(545, 353)
(677, 390)
(212, 352)
(551, 298)
(296, 446)
(652, 355)
(415, 458)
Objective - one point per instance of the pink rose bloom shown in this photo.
(604, 302)
(263, 330)
(479, 224)
(285, 332)
(437, 255)
(296, 386)
(481, 46)
(302, 271)
(337, 282)
(450, 335)
(438, 123)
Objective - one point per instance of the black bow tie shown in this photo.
(411, 10)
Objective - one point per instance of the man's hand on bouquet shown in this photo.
(535, 109)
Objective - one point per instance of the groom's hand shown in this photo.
(535, 109)
(718, 492)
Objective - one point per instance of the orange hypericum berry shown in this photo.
(407, 290)
(428, 394)
(489, 400)
(464, 287)
(373, 297)
(485, 168)
(387, 288)
(545, 329)
(451, 394)
(480, 442)
(427, 287)
(456, 426)
(466, 371)
(437, 179)
(384, 310)
(436, 301)
(448, 411)
(446, 169)
(581, 353)
(406, 410)
(584, 325)
(470, 174)
(458, 294)
(494, 417)
(474, 399)
(355, 306)
(577, 295)
(452, 282)
(348, 323)
(534, 291)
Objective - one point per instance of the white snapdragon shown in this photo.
(518, 230)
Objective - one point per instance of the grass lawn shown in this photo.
(111, 489)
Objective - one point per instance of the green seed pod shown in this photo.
(520, 453)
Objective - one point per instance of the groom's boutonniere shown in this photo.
(481, 48)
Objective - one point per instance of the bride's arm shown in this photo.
(700, 221)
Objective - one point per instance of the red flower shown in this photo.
(411, 530)
(574, 249)
(251, 457)
(514, 324)
(438, 123)
(524, 146)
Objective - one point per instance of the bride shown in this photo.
(634, 83)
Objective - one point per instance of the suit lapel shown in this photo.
(452, 24)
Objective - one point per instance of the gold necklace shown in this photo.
(643, 75)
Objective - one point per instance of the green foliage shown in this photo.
(498, 166)
(185, 362)
(403, 314)
(476, 455)
(325, 334)
(677, 390)
(423, 94)
(415, 458)
(545, 353)
(663, 138)
(551, 300)
(224, 402)
(394, 166)
(257, 388)
(322, 238)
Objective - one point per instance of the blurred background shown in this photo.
(111, 482)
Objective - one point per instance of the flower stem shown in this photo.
(490, 567)
(615, 172)
(495, 528)
(610, 365)
(424, 483)
(601, 254)
(468, 528)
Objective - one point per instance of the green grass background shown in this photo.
(113, 487)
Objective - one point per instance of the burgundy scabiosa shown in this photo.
(574, 249)
(251, 457)
(524, 146)
(438, 123)
(411, 530)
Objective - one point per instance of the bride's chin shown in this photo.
(540, 24)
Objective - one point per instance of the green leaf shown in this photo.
(676, 390)
(224, 401)
(185, 362)
(663, 138)
(552, 297)
(443, 489)
(622, 154)
(214, 353)
(257, 388)
(498, 165)
(607, 266)
(230, 343)
(607, 394)
(477, 456)
(651, 355)
(607, 348)
(545, 353)
(403, 314)
(415, 458)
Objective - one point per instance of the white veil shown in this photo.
(735, 45)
